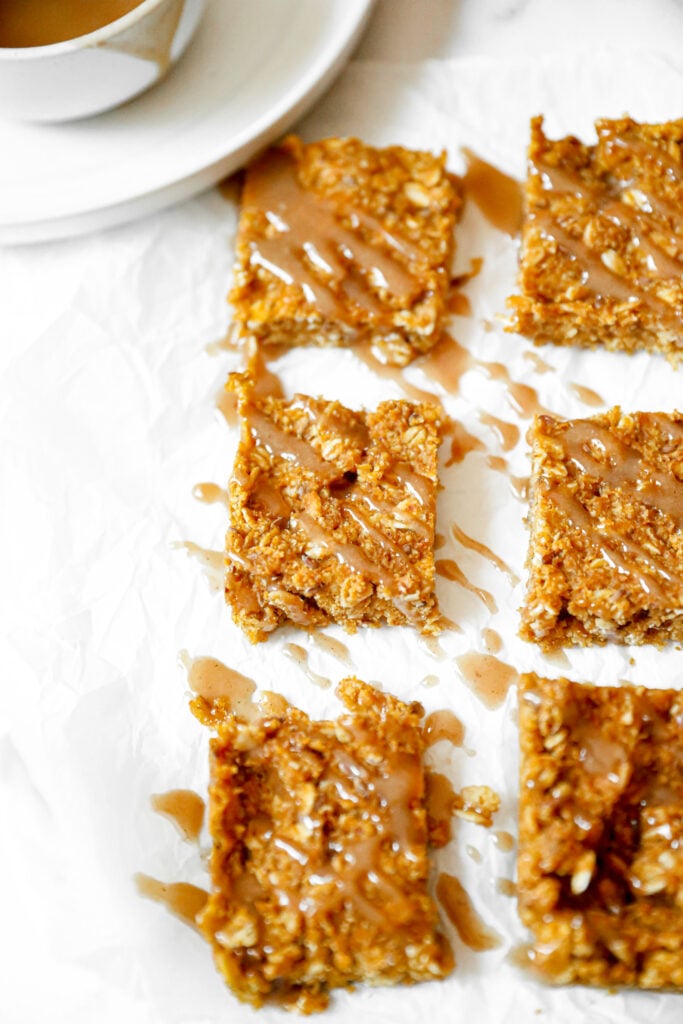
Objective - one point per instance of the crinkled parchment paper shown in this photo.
(107, 421)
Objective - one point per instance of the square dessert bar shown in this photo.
(606, 541)
(339, 241)
(602, 244)
(331, 514)
(319, 865)
(600, 861)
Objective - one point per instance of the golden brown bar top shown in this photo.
(601, 263)
(340, 241)
(606, 530)
(600, 862)
(319, 865)
(332, 514)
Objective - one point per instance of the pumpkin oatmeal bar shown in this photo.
(602, 244)
(319, 865)
(600, 862)
(339, 241)
(605, 556)
(331, 514)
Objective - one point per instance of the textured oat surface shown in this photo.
(602, 249)
(339, 241)
(319, 864)
(606, 530)
(332, 514)
(600, 867)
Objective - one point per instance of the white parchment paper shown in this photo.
(107, 420)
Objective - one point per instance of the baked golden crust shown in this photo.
(606, 530)
(339, 241)
(602, 244)
(332, 515)
(600, 865)
(319, 864)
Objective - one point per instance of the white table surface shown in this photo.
(421, 29)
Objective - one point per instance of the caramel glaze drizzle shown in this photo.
(443, 725)
(184, 808)
(182, 899)
(352, 501)
(450, 570)
(449, 361)
(602, 281)
(481, 549)
(498, 196)
(309, 246)
(462, 915)
(621, 466)
(462, 443)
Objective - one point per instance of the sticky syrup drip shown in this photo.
(473, 931)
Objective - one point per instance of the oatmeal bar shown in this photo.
(338, 241)
(606, 546)
(602, 243)
(319, 865)
(331, 514)
(601, 833)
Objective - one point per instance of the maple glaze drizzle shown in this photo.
(458, 304)
(498, 196)
(211, 679)
(431, 645)
(182, 899)
(459, 910)
(449, 361)
(492, 641)
(476, 263)
(230, 342)
(539, 365)
(309, 247)
(332, 646)
(212, 562)
(440, 801)
(586, 395)
(446, 363)
(226, 403)
(487, 676)
(504, 840)
(299, 655)
(506, 433)
(211, 494)
(506, 887)
(387, 371)
(443, 725)
(450, 570)
(462, 443)
(481, 549)
(184, 808)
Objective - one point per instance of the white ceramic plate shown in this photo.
(252, 69)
